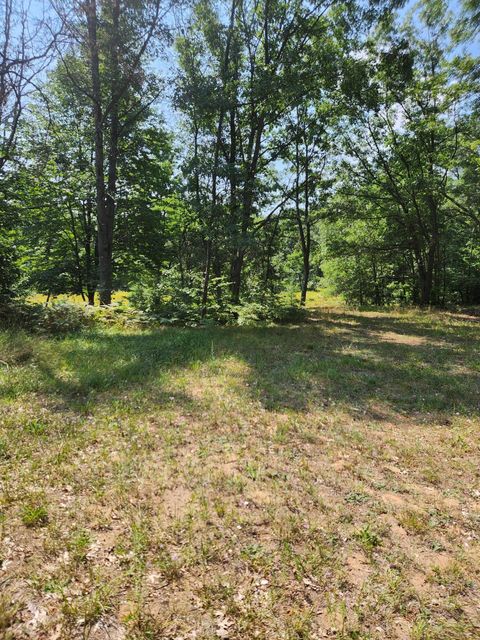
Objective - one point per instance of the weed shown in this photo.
(415, 521)
(36, 427)
(170, 565)
(8, 612)
(452, 577)
(299, 625)
(4, 450)
(87, 609)
(79, 544)
(357, 497)
(368, 539)
(34, 513)
(252, 470)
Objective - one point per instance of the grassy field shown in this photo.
(280, 483)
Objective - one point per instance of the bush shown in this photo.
(64, 317)
(153, 304)
(263, 305)
(289, 313)
(9, 270)
(58, 318)
(167, 303)
(172, 300)
(270, 310)
(120, 315)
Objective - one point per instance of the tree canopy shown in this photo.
(217, 153)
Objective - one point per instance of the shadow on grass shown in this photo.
(381, 364)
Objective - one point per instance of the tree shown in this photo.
(309, 160)
(112, 40)
(25, 51)
(239, 80)
(57, 193)
(404, 146)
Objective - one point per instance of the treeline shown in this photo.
(301, 142)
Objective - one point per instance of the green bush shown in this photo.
(266, 306)
(167, 303)
(271, 310)
(173, 300)
(9, 270)
(152, 304)
(58, 318)
(120, 315)
(65, 317)
(20, 315)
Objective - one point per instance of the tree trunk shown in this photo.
(426, 281)
(90, 262)
(206, 276)
(247, 207)
(306, 276)
(303, 225)
(110, 205)
(213, 212)
(104, 247)
(236, 275)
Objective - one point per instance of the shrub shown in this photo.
(266, 306)
(120, 314)
(19, 315)
(64, 317)
(289, 313)
(274, 311)
(58, 318)
(167, 302)
(9, 270)
(174, 300)
(251, 313)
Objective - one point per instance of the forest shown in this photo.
(239, 319)
(205, 156)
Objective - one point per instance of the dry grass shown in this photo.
(286, 483)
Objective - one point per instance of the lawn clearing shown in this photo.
(290, 483)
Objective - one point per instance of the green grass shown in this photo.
(241, 482)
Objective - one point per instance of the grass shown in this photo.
(294, 482)
(118, 297)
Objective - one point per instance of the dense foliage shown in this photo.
(301, 143)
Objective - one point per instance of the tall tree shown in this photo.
(406, 142)
(26, 45)
(114, 39)
(257, 68)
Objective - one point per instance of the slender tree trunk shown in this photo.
(246, 207)
(206, 275)
(269, 252)
(213, 212)
(110, 205)
(306, 276)
(425, 272)
(303, 225)
(104, 249)
(76, 249)
(90, 262)
(307, 240)
(236, 274)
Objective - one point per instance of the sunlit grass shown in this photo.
(271, 482)
(118, 297)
